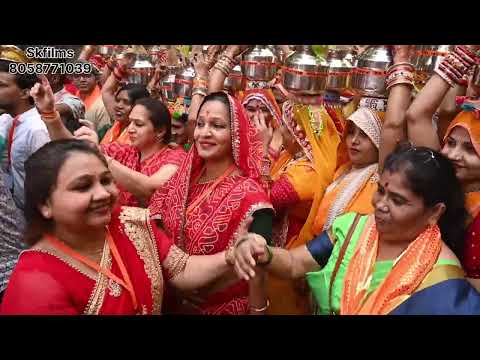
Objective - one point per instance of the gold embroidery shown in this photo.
(114, 288)
(138, 229)
(63, 259)
(175, 261)
(97, 296)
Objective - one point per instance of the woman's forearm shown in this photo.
(289, 264)
(394, 128)
(257, 293)
(201, 270)
(217, 77)
(57, 130)
(420, 128)
(87, 52)
(216, 80)
(108, 94)
(140, 185)
(448, 109)
(197, 100)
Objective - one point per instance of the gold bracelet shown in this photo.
(229, 255)
(261, 309)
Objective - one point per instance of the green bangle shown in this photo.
(270, 257)
(240, 241)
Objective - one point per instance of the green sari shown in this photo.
(319, 281)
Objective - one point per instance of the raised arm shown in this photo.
(120, 71)
(44, 99)
(87, 52)
(152, 87)
(448, 108)
(140, 185)
(200, 89)
(224, 65)
(421, 130)
(400, 84)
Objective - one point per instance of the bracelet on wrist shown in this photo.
(269, 258)
(267, 305)
(50, 115)
(229, 254)
(243, 239)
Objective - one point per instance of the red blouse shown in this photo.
(130, 157)
(47, 283)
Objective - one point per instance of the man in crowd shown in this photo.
(90, 93)
(70, 107)
(22, 131)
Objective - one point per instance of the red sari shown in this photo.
(45, 282)
(211, 226)
(130, 157)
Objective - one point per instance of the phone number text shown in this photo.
(50, 68)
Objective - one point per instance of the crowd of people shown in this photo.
(116, 201)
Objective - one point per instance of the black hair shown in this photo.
(159, 116)
(23, 81)
(41, 174)
(182, 118)
(431, 176)
(134, 91)
(218, 96)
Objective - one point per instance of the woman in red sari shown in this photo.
(84, 258)
(119, 99)
(214, 192)
(139, 168)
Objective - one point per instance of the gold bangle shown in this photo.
(228, 256)
(261, 309)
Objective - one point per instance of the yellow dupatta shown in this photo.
(322, 135)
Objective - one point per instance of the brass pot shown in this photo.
(235, 80)
(339, 70)
(167, 84)
(141, 71)
(426, 61)
(368, 77)
(304, 73)
(259, 64)
(184, 81)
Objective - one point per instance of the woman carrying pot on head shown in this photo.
(303, 162)
(463, 133)
(89, 256)
(216, 189)
(399, 260)
(460, 139)
(119, 100)
(139, 168)
(367, 140)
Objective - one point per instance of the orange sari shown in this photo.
(317, 167)
(469, 121)
(352, 190)
(116, 135)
